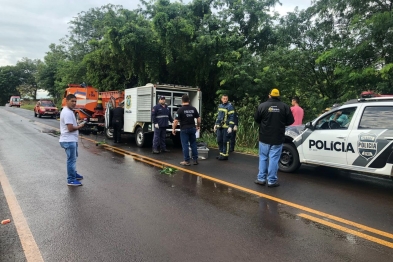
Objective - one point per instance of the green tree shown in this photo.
(9, 80)
(27, 72)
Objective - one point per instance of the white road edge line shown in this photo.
(30, 248)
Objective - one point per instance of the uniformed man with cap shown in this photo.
(272, 116)
(160, 115)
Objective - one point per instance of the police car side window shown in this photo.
(339, 119)
(377, 117)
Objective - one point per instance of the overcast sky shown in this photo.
(28, 27)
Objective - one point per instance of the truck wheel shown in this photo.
(289, 161)
(140, 137)
(109, 133)
(39, 115)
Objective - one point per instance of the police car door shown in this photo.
(328, 143)
(372, 137)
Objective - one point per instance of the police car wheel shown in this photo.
(289, 160)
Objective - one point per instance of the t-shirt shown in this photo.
(342, 119)
(118, 114)
(67, 116)
(186, 115)
(298, 114)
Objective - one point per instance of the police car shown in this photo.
(356, 136)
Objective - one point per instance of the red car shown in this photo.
(45, 108)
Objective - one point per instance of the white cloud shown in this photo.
(290, 5)
(28, 27)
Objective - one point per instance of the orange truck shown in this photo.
(91, 105)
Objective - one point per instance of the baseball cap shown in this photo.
(162, 97)
(274, 92)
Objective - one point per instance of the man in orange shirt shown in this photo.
(297, 112)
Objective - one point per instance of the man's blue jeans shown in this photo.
(269, 155)
(187, 136)
(71, 149)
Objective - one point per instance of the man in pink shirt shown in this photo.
(297, 111)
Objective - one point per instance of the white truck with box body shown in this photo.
(138, 104)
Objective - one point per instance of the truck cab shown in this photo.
(357, 136)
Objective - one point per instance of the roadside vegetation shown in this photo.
(325, 54)
(28, 104)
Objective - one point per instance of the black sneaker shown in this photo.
(166, 150)
(222, 158)
(260, 182)
(156, 152)
(195, 162)
(273, 185)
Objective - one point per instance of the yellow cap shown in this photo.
(275, 92)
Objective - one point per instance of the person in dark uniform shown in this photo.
(233, 137)
(118, 121)
(186, 115)
(160, 115)
(223, 127)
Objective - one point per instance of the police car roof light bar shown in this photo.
(375, 99)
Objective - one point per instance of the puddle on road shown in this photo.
(52, 132)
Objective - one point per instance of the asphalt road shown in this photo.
(128, 211)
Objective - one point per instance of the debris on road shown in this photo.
(5, 221)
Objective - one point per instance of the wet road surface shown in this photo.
(128, 211)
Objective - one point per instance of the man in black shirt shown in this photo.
(186, 116)
(118, 121)
(272, 117)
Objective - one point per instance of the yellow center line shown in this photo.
(347, 230)
(253, 192)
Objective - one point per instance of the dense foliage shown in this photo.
(325, 54)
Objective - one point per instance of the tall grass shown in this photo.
(28, 104)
